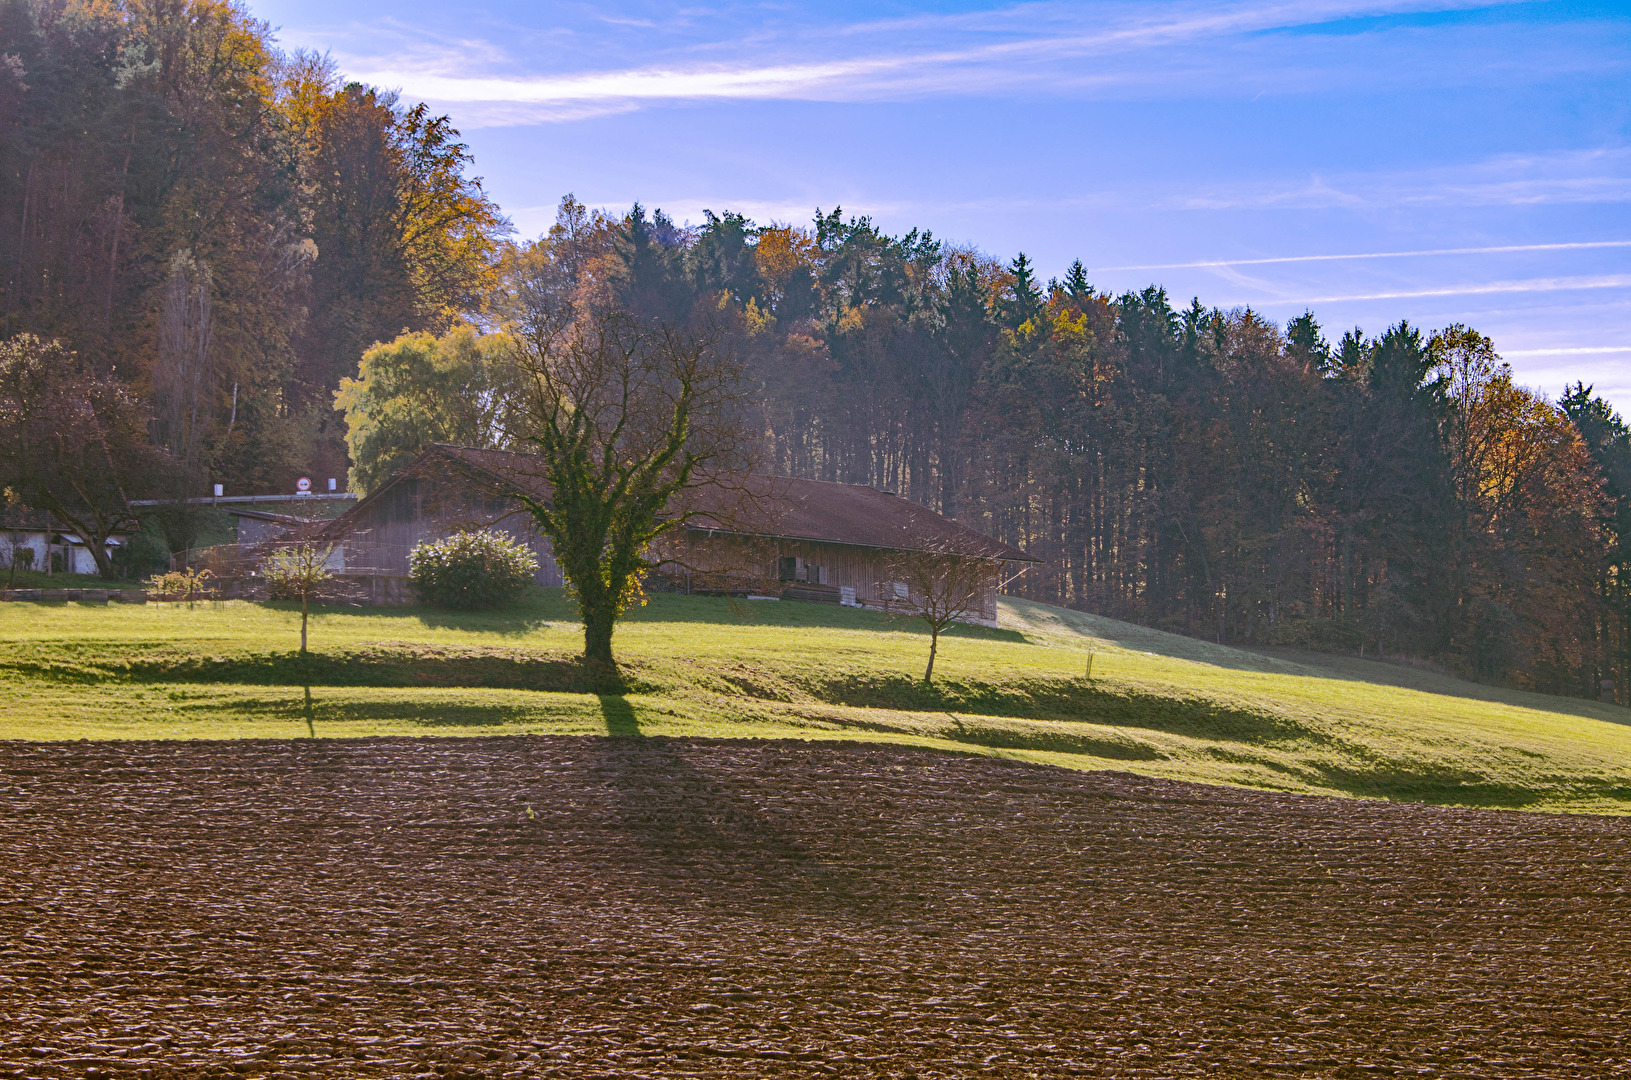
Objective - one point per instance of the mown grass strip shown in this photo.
(1156, 704)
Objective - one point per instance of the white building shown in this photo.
(36, 544)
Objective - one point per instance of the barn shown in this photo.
(760, 535)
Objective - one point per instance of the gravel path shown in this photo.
(586, 908)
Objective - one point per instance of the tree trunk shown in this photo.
(934, 644)
(597, 635)
(98, 547)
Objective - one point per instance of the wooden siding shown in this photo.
(389, 527)
(755, 564)
(385, 529)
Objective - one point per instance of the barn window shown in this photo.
(787, 568)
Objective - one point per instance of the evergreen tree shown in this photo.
(1022, 300)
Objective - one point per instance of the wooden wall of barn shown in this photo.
(388, 527)
(707, 559)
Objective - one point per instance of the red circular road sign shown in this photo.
(303, 485)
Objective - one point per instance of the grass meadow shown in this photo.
(1156, 703)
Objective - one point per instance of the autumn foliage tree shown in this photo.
(225, 226)
(1207, 471)
(73, 442)
(463, 387)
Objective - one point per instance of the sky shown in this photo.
(1369, 161)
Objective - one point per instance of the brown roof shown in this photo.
(267, 515)
(770, 506)
(27, 519)
(790, 508)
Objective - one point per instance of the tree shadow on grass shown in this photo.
(1453, 787)
(382, 664)
(443, 714)
(505, 622)
(1408, 676)
(1065, 700)
(620, 719)
(672, 608)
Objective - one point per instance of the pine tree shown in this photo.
(1022, 301)
(1076, 282)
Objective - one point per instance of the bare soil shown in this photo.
(581, 907)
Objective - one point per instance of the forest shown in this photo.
(282, 272)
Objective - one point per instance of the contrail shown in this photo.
(1614, 281)
(1591, 350)
(1373, 255)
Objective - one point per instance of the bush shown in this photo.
(471, 570)
(188, 585)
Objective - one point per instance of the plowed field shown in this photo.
(651, 908)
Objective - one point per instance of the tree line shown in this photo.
(1204, 471)
(221, 226)
(283, 272)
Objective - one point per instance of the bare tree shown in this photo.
(299, 572)
(181, 377)
(942, 587)
(630, 420)
(11, 505)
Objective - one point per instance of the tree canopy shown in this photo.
(227, 226)
(1196, 469)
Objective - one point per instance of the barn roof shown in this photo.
(790, 508)
(25, 519)
(776, 507)
(267, 515)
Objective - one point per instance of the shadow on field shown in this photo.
(795, 613)
(1451, 787)
(620, 719)
(1064, 699)
(314, 707)
(383, 664)
(535, 611)
(707, 840)
(1045, 739)
(1406, 676)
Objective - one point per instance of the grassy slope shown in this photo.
(1157, 704)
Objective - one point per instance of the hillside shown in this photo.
(1157, 704)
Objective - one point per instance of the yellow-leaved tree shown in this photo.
(463, 387)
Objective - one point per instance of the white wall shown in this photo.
(35, 541)
(79, 559)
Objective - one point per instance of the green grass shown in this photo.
(39, 579)
(1157, 703)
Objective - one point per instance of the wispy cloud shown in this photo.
(1597, 175)
(1484, 288)
(1583, 350)
(1075, 48)
(1277, 259)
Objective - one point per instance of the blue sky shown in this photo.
(1372, 161)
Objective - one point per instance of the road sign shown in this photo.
(303, 485)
